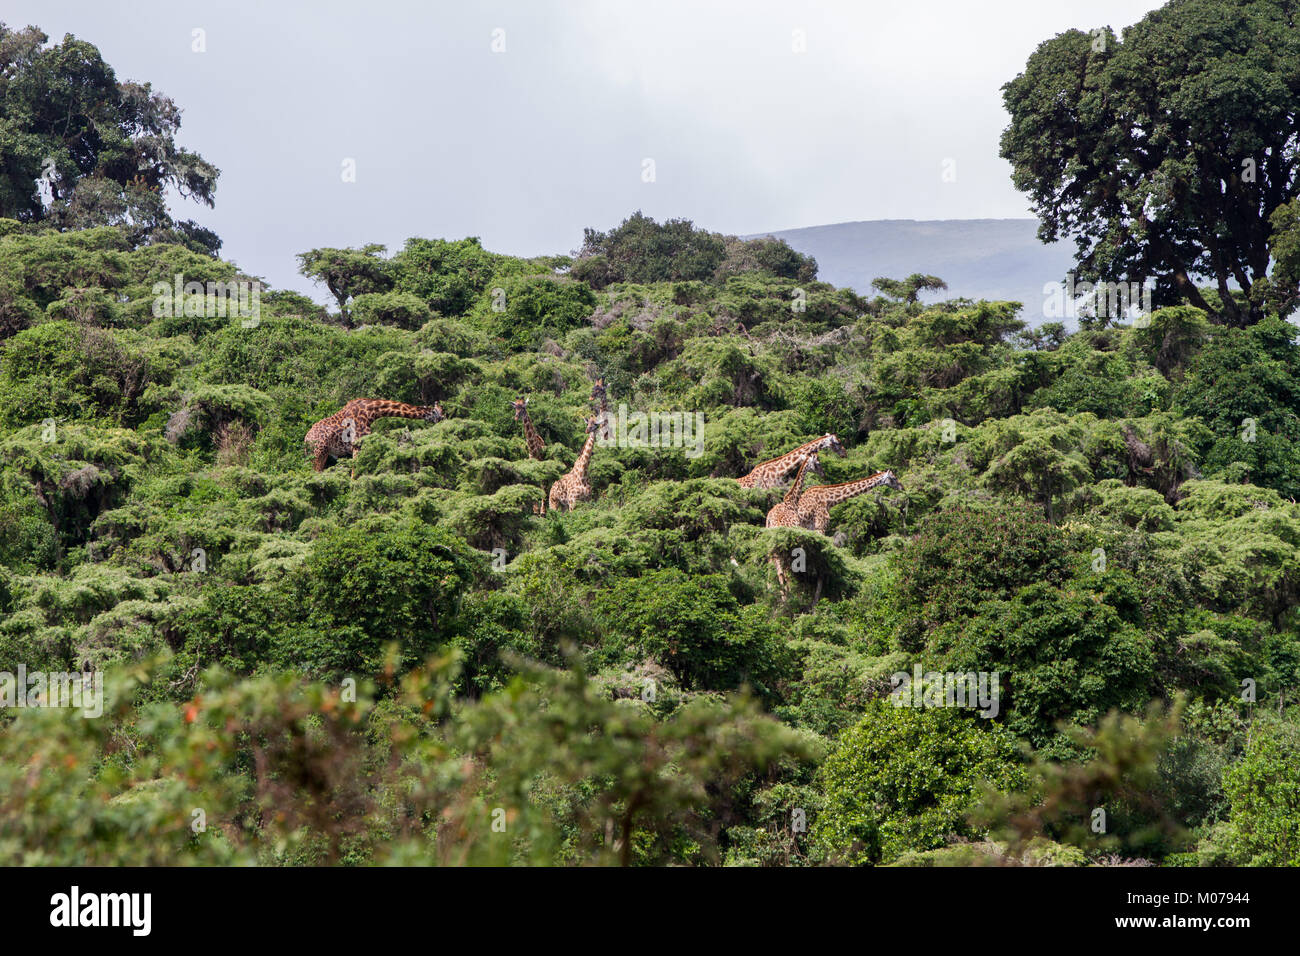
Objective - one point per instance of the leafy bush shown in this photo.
(907, 779)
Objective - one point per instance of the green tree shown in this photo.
(642, 250)
(527, 309)
(768, 254)
(908, 779)
(908, 290)
(1263, 790)
(1164, 155)
(962, 558)
(370, 585)
(695, 627)
(1245, 385)
(447, 274)
(104, 150)
(347, 272)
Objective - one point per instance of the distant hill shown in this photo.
(978, 258)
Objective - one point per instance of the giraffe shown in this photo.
(601, 400)
(785, 514)
(536, 446)
(772, 473)
(338, 435)
(815, 503)
(569, 489)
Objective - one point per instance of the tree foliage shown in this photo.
(104, 151)
(1168, 153)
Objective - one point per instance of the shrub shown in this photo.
(907, 779)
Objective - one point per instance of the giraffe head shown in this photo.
(434, 413)
(815, 465)
(520, 405)
(598, 391)
(890, 480)
(593, 423)
(831, 443)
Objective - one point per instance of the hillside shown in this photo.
(994, 259)
(402, 657)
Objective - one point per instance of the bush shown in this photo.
(446, 275)
(530, 309)
(369, 585)
(402, 309)
(961, 558)
(695, 627)
(1263, 791)
(907, 779)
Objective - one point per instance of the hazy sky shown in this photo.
(526, 147)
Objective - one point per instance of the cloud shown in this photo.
(525, 148)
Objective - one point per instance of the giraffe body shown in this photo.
(573, 487)
(338, 435)
(815, 503)
(772, 473)
(536, 446)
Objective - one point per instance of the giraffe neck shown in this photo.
(834, 494)
(529, 431)
(606, 429)
(379, 408)
(580, 466)
(792, 496)
(791, 459)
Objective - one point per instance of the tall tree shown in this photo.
(78, 148)
(347, 273)
(908, 290)
(1165, 155)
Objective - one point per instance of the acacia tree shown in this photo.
(1165, 155)
(908, 291)
(78, 148)
(347, 273)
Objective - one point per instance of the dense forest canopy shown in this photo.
(407, 657)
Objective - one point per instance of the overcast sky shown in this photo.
(527, 146)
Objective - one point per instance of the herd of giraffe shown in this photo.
(811, 507)
(803, 506)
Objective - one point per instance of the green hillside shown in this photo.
(1084, 515)
(1061, 631)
